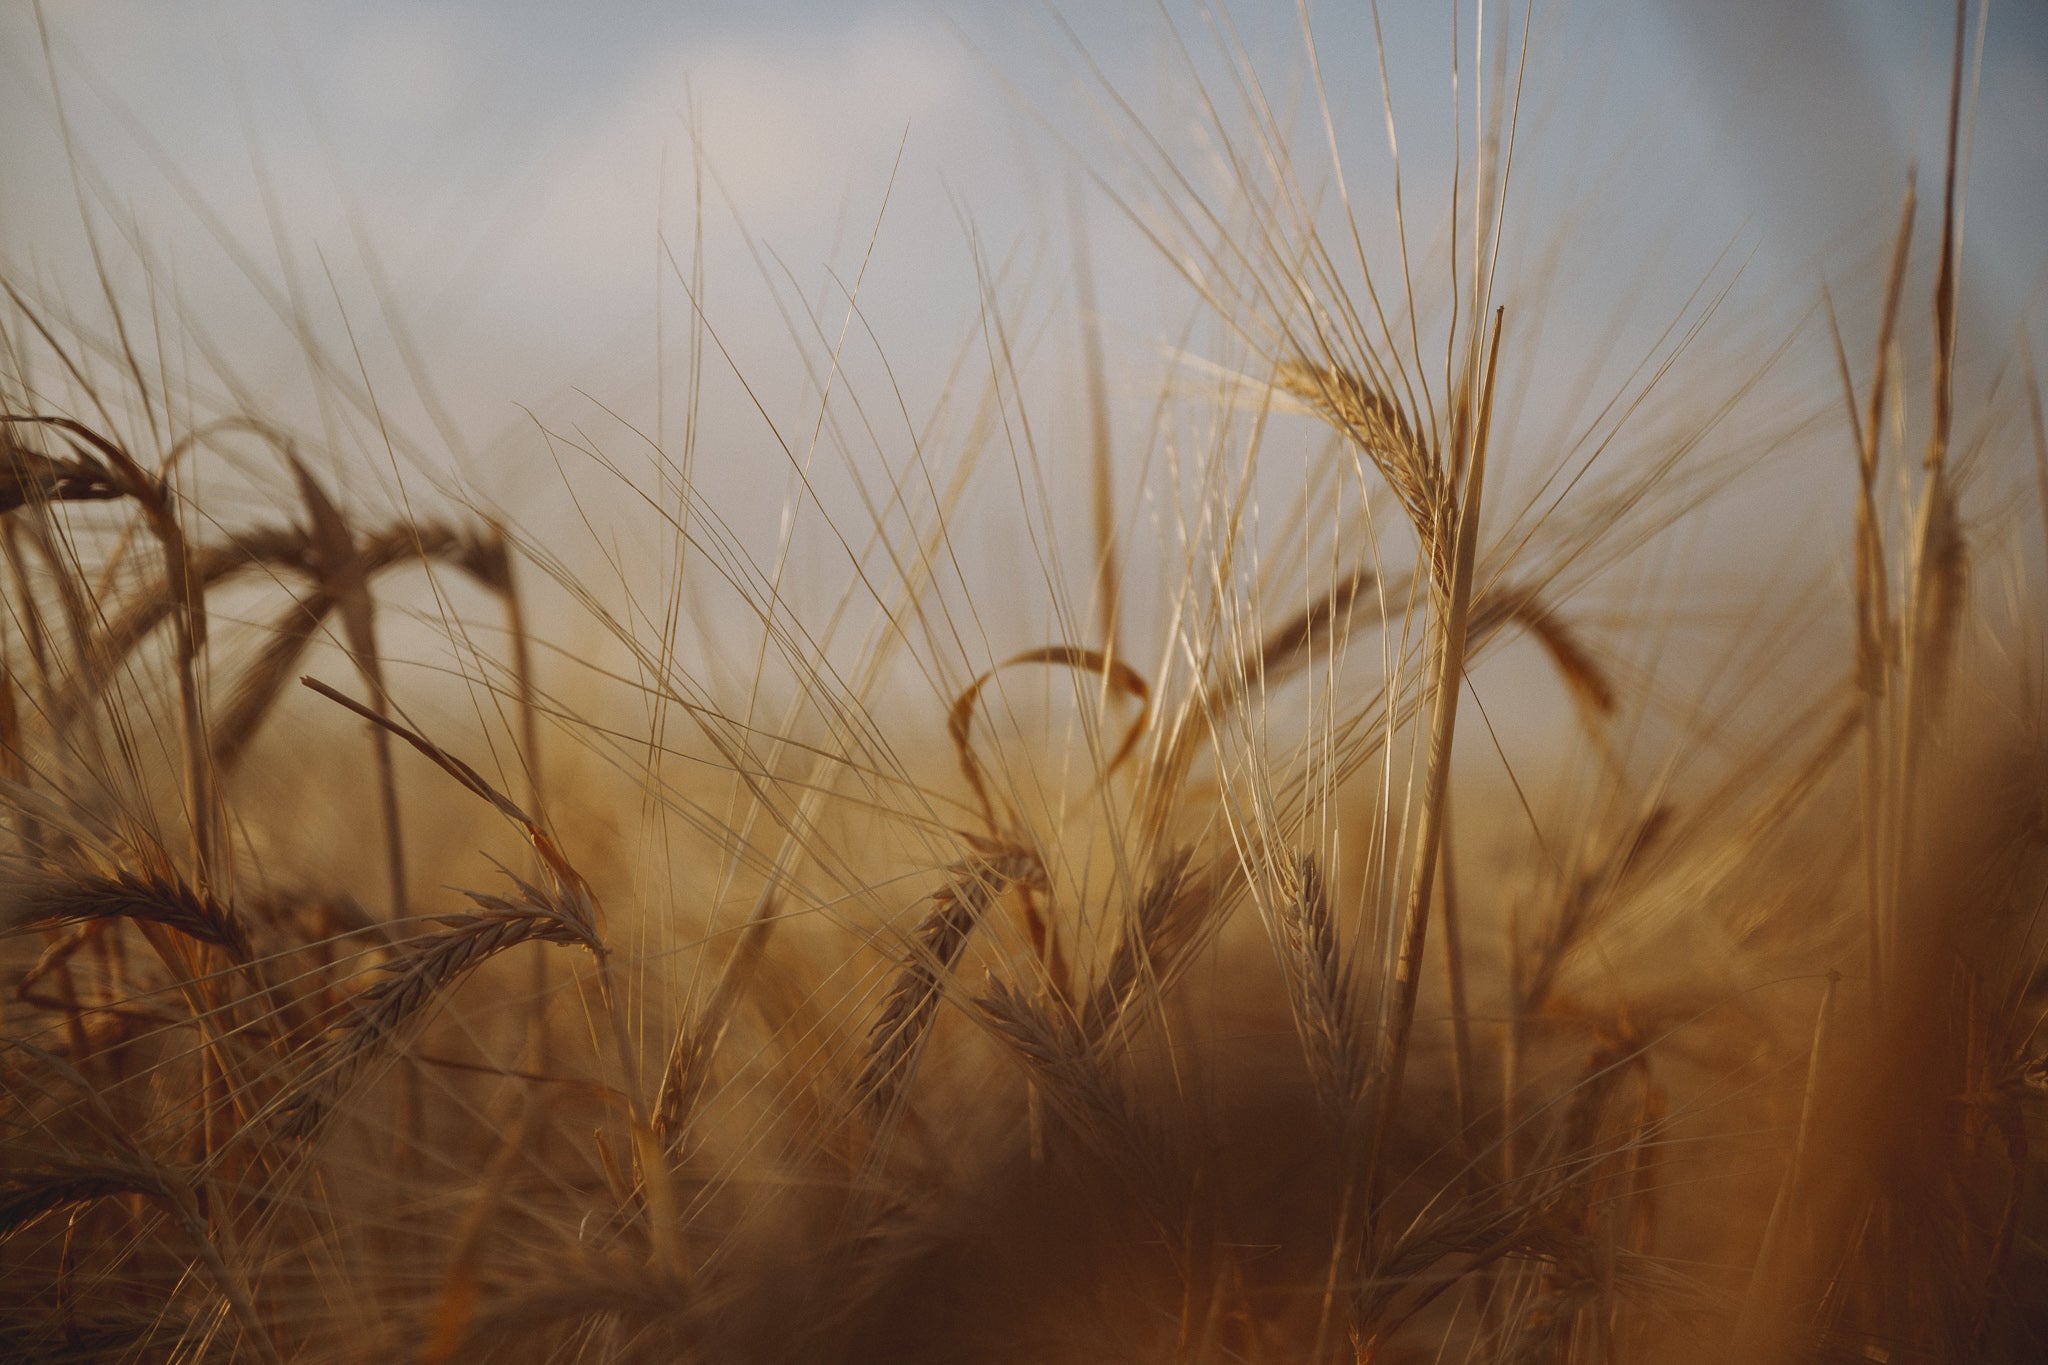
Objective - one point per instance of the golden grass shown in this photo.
(1068, 999)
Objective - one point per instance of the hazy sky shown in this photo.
(515, 168)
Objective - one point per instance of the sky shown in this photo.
(515, 198)
(515, 162)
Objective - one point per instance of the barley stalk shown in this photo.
(1320, 981)
(1461, 536)
(900, 1029)
(154, 496)
(425, 969)
(146, 896)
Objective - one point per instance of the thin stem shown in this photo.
(1462, 1076)
(1455, 618)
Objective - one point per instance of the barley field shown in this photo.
(1391, 817)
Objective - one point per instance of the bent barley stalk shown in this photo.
(425, 969)
(144, 896)
(899, 1031)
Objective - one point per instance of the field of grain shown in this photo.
(1319, 879)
